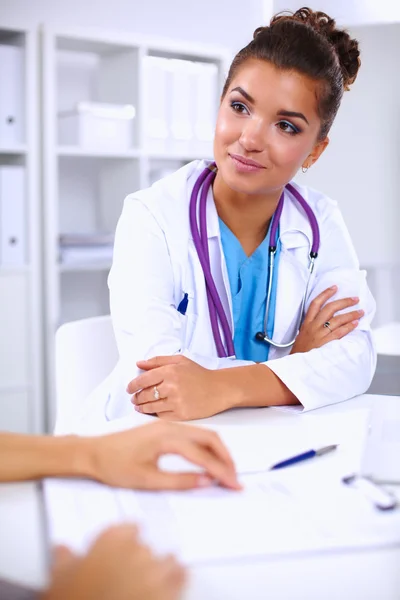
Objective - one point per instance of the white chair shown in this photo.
(86, 353)
(387, 339)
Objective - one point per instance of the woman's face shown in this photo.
(267, 116)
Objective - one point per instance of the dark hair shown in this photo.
(307, 42)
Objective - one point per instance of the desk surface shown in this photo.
(361, 575)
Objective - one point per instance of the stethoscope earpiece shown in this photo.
(260, 336)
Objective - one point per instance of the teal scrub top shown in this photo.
(248, 279)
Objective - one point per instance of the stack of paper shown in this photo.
(90, 247)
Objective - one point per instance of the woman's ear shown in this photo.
(316, 152)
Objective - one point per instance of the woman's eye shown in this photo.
(288, 127)
(239, 107)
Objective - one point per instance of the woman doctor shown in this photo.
(192, 338)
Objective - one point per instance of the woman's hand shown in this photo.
(313, 333)
(130, 458)
(186, 390)
(117, 567)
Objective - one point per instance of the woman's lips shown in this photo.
(245, 165)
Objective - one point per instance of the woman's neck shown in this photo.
(248, 217)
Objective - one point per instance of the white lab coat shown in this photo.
(155, 263)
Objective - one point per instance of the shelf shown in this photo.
(84, 266)
(13, 150)
(77, 151)
(12, 389)
(17, 270)
(183, 157)
(84, 186)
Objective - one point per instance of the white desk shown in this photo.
(361, 575)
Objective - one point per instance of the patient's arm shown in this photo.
(125, 459)
(33, 457)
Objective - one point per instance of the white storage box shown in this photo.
(97, 125)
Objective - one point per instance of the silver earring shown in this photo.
(304, 169)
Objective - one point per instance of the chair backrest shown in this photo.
(86, 353)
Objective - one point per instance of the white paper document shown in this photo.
(280, 512)
(304, 508)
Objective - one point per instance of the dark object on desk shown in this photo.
(381, 498)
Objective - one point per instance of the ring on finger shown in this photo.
(327, 324)
(156, 393)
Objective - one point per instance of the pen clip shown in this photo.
(182, 308)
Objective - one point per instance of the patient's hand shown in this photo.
(117, 567)
(313, 334)
(130, 458)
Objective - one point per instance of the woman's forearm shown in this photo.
(33, 457)
(255, 385)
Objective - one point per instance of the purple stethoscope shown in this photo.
(215, 307)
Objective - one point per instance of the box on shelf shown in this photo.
(97, 125)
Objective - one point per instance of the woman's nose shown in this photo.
(253, 137)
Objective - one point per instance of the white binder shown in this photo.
(182, 107)
(206, 107)
(156, 73)
(12, 216)
(11, 95)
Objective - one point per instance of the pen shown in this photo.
(304, 456)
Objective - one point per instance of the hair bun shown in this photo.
(345, 47)
(348, 53)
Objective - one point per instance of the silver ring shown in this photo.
(156, 393)
(327, 325)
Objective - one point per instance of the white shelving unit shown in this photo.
(21, 351)
(84, 188)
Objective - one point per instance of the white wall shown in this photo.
(360, 166)
(349, 12)
(209, 21)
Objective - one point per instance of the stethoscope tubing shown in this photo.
(200, 239)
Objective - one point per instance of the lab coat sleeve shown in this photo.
(341, 369)
(145, 320)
